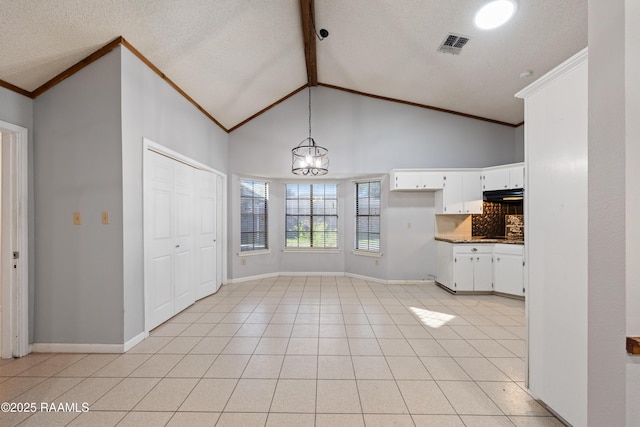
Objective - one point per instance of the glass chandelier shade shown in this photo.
(308, 158)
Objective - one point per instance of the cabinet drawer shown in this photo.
(472, 249)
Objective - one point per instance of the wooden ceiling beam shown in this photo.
(308, 34)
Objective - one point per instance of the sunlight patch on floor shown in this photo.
(433, 319)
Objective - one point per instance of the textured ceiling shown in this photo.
(237, 57)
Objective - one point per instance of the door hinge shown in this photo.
(523, 263)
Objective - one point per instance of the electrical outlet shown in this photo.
(105, 217)
(77, 218)
(377, 262)
(243, 261)
(408, 225)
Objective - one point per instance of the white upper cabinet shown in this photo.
(516, 176)
(503, 177)
(415, 180)
(472, 192)
(462, 193)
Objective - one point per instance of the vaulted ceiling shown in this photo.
(235, 58)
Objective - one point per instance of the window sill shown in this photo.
(312, 250)
(367, 253)
(256, 252)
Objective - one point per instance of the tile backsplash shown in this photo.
(491, 222)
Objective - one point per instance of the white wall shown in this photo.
(78, 168)
(18, 110)
(556, 246)
(151, 108)
(365, 137)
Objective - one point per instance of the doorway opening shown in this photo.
(14, 247)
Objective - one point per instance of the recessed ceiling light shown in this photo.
(495, 13)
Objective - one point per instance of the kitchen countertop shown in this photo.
(479, 240)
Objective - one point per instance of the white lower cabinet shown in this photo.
(463, 267)
(483, 267)
(472, 269)
(509, 269)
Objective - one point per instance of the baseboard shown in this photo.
(250, 278)
(312, 273)
(135, 340)
(411, 282)
(331, 274)
(77, 348)
(367, 278)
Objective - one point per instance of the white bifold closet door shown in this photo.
(206, 233)
(180, 236)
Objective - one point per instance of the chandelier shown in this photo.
(307, 158)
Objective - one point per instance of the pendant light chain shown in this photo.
(309, 111)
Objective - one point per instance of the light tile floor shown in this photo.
(299, 351)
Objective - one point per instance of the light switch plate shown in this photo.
(77, 218)
(105, 217)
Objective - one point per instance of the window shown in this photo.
(311, 216)
(368, 216)
(254, 196)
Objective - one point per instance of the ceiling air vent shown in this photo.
(453, 43)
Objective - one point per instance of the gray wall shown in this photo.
(18, 110)
(519, 143)
(154, 110)
(606, 285)
(88, 158)
(365, 137)
(77, 167)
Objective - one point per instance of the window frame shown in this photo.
(358, 216)
(244, 250)
(311, 216)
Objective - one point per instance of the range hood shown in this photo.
(504, 196)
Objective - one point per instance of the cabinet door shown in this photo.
(431, 180)
(482, 273)
(516, 177)
(472, 192)
(406, 181)
(444, 264)
(452, 200)
(495, 179)
(463, 272)
(509, 274)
